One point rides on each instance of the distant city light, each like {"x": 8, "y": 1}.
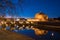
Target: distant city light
{"x": 52, "y": 34}
{"x": 17, "y": 19}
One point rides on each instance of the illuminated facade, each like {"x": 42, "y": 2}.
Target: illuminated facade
{"x": 41, "y": 16}
{"x": 32, "y": 19}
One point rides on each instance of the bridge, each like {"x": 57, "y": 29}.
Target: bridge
{"x": 40, "y": 25}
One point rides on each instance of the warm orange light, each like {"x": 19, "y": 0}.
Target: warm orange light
{"x": 32, "y": 20}
{"x": 39, "y": 32}
{"x": 27, "y": 22}
{"x": 41, "y": 17}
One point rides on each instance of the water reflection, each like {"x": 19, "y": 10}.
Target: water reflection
{"x": 39, "y": 31}
{"x": 36, "y": 33}
{"x": 50, "y": 35}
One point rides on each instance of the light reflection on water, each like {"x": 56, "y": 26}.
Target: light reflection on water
{"x": 49, "y": 36}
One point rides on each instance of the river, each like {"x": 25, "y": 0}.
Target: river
{"x": 50, "y": 35}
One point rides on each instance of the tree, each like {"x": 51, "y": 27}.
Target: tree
{"x": 6, "y": 5}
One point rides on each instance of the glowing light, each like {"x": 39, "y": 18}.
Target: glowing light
{"x": 21, "y": 28}
{"x": 41, "y": 17}
{"x": 39, "y": 32}
{"x": 27, "y": 28}
{"x": 52, "y": 34}
{"x": 12, "y": 23}
{"x": 33, "y": 20}
{"x": 6, "y": 24}
{"x": 17, "y": 26}
{"x": 17, "y": 19}
{"x": 27, "y": 22}
{"x": 2, "y": 22}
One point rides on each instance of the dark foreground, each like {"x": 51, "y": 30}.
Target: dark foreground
{"x": 7, "y": 35}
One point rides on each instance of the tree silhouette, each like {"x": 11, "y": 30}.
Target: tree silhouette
{"x": 7, "y": 6}
{"x": 4, "y": 5}
{"x": 58, "y": 18}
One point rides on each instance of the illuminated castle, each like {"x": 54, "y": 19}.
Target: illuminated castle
{"x": 39, "y": 17}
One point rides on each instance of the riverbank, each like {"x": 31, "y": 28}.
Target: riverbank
{"x": 7, "y": 35}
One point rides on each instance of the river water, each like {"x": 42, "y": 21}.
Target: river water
{"x": 50, "y": 35}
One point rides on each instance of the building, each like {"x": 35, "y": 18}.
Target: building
{"x": 41, "y": 16}
{"x": 33, "y": 19}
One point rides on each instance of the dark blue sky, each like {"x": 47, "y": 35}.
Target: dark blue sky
{"x": 30, "y": 7}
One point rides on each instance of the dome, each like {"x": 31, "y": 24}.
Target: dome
{"x": 41, "y": 16}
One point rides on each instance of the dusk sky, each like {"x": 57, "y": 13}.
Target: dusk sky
{"x": 30, "y": 7}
